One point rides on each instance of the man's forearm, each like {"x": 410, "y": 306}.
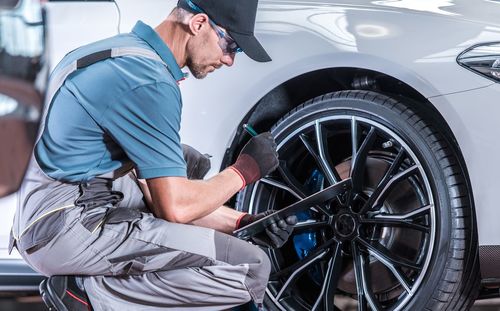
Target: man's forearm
{"x": 181, "y": 200}
{"x": 222, "y": 219}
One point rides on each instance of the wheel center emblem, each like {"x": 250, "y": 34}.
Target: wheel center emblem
{"x": 345, "y": 225}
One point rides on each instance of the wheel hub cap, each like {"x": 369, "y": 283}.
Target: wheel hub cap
{"x": 346, "y": 225}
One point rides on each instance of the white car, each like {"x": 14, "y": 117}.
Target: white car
{"x": 401, "y": 96}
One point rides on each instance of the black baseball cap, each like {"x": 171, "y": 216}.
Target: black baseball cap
{"x": 237, "y": 17}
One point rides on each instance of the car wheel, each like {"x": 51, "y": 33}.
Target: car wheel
{"x": 403, "y": 238}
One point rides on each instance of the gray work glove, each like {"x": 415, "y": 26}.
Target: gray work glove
{"x": 275, "y": 235}
{"x": 198, "y": 164}
{"x": 257, "y": 158}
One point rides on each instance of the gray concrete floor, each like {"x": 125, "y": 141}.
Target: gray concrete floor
{"x": 35, "y": 304}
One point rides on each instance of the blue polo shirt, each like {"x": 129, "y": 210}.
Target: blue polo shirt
{"x": 115, "y": 114}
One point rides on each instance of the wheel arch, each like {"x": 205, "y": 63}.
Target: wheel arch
{"x": 294, "y": 91}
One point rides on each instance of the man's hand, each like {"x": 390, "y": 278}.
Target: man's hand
{"x": 257, "y": 158}
{"x": 275, "y": 235}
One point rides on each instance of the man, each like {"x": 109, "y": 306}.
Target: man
{"x": 113, "y": 106}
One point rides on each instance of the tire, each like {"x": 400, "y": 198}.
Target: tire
{"x": 413, "y": 248}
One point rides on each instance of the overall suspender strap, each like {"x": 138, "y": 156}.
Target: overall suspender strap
{"x": 57, "y": 80}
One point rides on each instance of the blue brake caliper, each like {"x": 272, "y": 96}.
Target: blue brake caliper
{"x": 304, "y": 243}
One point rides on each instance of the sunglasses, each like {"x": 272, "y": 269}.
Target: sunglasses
{"x": 226, "y": 43}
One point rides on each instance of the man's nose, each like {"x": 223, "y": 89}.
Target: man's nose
{"x": 228, "y": 59}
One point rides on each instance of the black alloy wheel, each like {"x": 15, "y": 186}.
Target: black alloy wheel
{"x": 403, "y": 238}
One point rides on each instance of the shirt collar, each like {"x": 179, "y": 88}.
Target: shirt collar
{"x": 149, "y": 35}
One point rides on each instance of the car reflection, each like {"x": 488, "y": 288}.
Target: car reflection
{"x": 23, "y": 74}
{"x": 432, "y": 6}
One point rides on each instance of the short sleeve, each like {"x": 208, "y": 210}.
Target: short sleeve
{"x": 145, "y": 122}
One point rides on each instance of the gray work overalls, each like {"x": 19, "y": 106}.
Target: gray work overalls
{"x": 129, "y": 259}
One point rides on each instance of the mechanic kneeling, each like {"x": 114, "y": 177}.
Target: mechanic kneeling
{"x": 113, "y": 113}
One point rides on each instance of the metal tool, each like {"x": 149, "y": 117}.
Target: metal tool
{"x": 250, "y": 130}
{"x": 320, "y": 197}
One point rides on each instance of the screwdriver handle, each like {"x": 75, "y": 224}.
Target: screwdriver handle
{"x": 250, "y": 130}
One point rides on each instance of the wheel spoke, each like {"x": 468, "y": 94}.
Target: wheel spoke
{"x": 363, "y": 281}
{"x": 419, "y": 212}
{"x": 290, "y": 269}
{"x": 332, "y": 279}
{"x": 290, "y": 180}
{"x": 396, "y": 271}
{"x": 330, "y": 282}
{"x": 309, "y": 225}
{"x": 359, "y": 161}
{"x": 354, "y": 137}
{"x": 360, "y": 287}
{"x": 391, "y": 171}
{"x": 385, "y": 190}
{"x": 277, "y": 184}
{"x": 380, "y": 251}
{"x": 321, "y": 162}
{"x": 390, "y": 222}
{"x": 299, "y": 271}
{"x": 316, "y": 157}
{"x": 401, "y": 220}
{"x": 331, "y": 172}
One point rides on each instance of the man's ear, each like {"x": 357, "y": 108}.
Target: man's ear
{"x": 197, "y": 22}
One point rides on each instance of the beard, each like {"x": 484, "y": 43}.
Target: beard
{"x": 196, "y": 70}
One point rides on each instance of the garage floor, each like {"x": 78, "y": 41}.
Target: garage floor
{"x": 34, "y": 304}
